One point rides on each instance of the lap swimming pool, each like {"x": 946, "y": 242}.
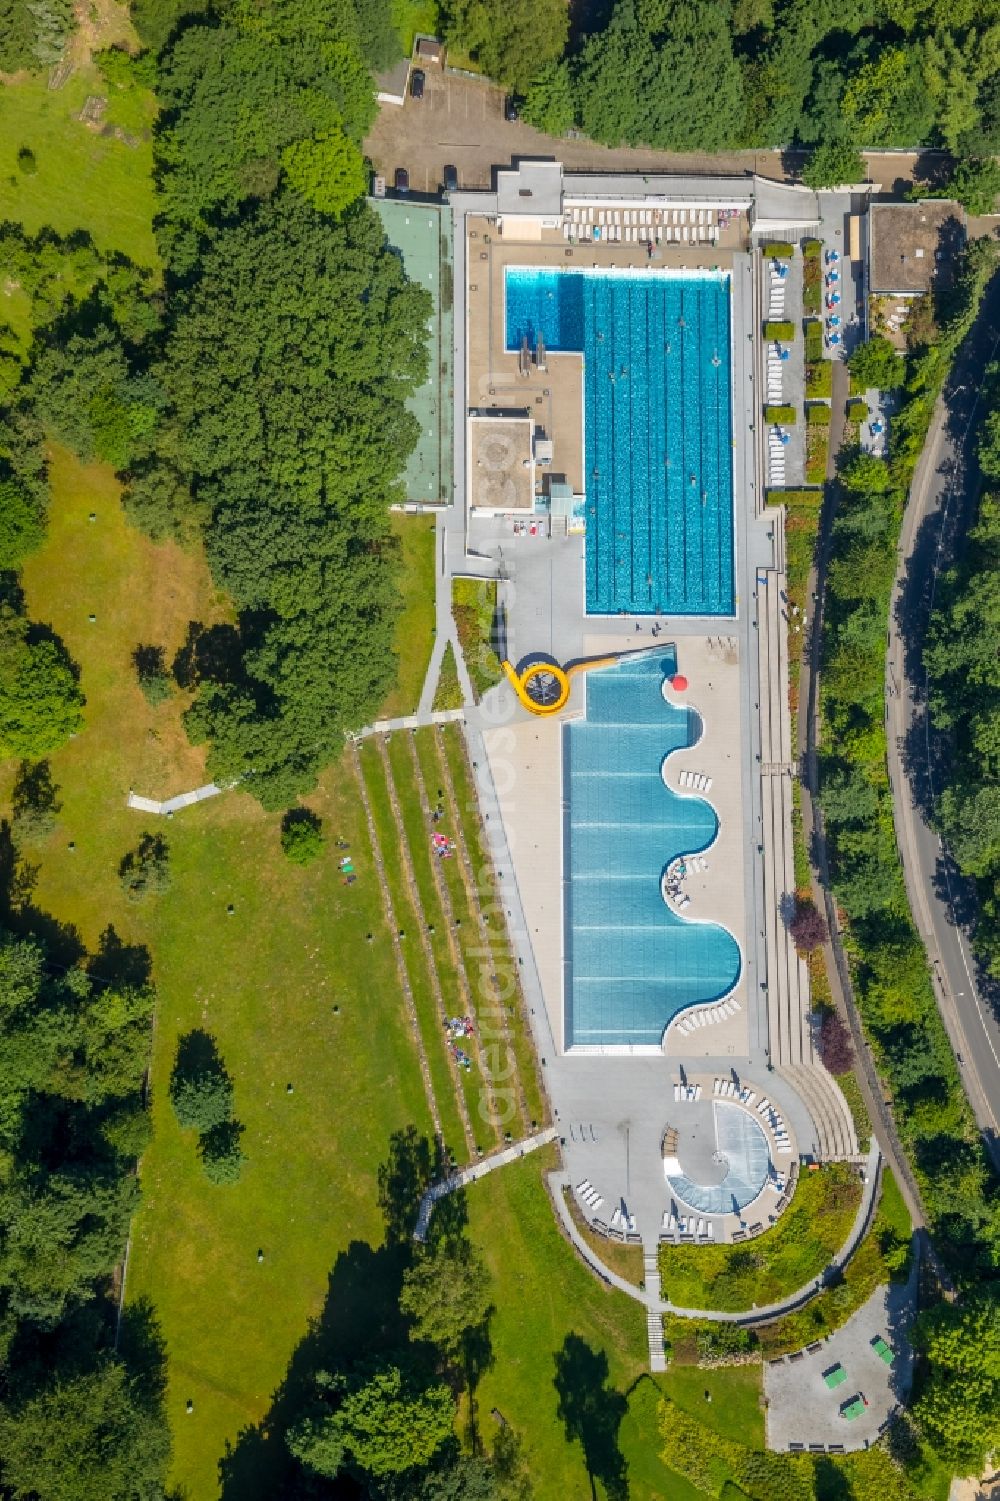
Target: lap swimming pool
{"x": 657, "y": 428}
{"x": 632, "y": 963}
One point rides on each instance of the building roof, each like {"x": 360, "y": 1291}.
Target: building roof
{"x": 501, "y": 468}
{"x": 908, "y": 242}
{"x": 531, "y": 188}
{"x": 654, "y": 187}
{"x": 392, "y": 84}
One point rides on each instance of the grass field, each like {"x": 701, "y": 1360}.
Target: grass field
{"x": 84, "y": 180}
{"x": 558, "y": 1333}
{"x": 263, "y": 981}
{"x": 798, "y": 1248}
{"x": 415, "y": 627}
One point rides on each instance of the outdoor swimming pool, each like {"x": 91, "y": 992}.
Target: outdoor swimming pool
{"x": 657, "y": 428}
{"x": 632, "y": 962}
{"x": 742, "y": 1143}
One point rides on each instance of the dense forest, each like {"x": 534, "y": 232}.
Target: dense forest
{"x": 962, "y": 658}
{"x": 888, "y": 960}
{"x": 706, "y": 76}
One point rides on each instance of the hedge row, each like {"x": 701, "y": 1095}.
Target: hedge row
{"x": 819, "y": 379}
{"x": 712, "y": 1463}
{"x": 785, "y": 415}
{"x": 781, "y": 331}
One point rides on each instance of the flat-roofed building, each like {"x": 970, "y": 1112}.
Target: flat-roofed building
{"x": 909, "y": 243}
{"x": 501, "y": 463}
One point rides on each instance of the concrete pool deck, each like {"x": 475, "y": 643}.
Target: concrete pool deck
{"x": 613, "y": 1105}
{"x": 526, "y": 760}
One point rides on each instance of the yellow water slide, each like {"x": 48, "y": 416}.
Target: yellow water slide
{"x": 551, "y": 683}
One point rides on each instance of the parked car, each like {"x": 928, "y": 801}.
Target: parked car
{"x": 402, "y": 180}
{"x": 511, "y": 109}
{"x": 450, "y": 179}
{"x": 417, "y": 83}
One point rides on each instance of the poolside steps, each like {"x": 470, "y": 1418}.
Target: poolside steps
{"x": 788, "y": 975}
{"x": 654, "y": 1321}
{"x": 836, "y": 1137}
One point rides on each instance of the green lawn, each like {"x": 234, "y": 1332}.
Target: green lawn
{"x": 264, "y": 981}
{"x": 448, "y": 694}
{"x": 451, "y": 746}
{"x": 418, "y": 972}
{"x": 797, "y": 1249}
{"x": 85, "y": 180}
{"x": 411, "y": 16}
{"x": 415, "y": 626}
{"x": 549, "y": 1308}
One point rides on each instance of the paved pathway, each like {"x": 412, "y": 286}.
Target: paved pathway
{"x": 801, "y": 1409}
{"x": 182, "y": 800}
{"x": 650, "y": 1298}
{"x": 445, "y": 633}
{"x": 477, "y": 1170}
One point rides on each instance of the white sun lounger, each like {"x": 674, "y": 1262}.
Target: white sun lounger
{"x": 582, "y": 1187}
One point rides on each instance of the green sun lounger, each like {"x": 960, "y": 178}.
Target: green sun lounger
{"x": 853, "y": 1408}
{"x": 835, "y": 1376}
{"x": 882, "y": 1350}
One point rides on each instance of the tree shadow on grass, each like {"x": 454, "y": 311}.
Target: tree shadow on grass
{"x": 118, "y": 963}
{"x": 592, "y": 1411}
{"x": 360, "y": 1316}
{"x": 18, "y": 914}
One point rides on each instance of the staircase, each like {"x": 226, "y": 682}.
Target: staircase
{"x": 654, "y": 1321}
{"x": 831, "y": 1115}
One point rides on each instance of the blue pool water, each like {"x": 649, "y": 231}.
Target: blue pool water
{"x": 743, "y": 1144}
{"x": 633, "y": 962}
{"x": 657, "y": 428}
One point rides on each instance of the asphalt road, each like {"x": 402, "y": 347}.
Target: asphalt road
{"x": 942, "y": 496}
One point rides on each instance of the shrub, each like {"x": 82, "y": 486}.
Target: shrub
{"x": 812, "y": 249}
{"x": 785, "y": 415}
{"x": 878, "y": 364}
{"x": 808, "y": 927}
{"x": 818, "y": 414}
{"x": 813, "y": 330}
{"x": 779, "y": 250}
{"x": 221, "y": 1154}
{"x": 819, "y": 379}
{"x": 782, "y": 332}
{"x": 301, "y": 835}
{"x": 201, "y": 1090}
{"x": 717, "y": 1341}
{"x": 857, "y": 411}
{"x": 151, "y": 670}
{"x": 832, "y": 165}
{"x": 22, "y": 521}
{"x": 26, "y": 161}
{"x": 146, "y": 868}
{"x": 835, "y": 1043}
